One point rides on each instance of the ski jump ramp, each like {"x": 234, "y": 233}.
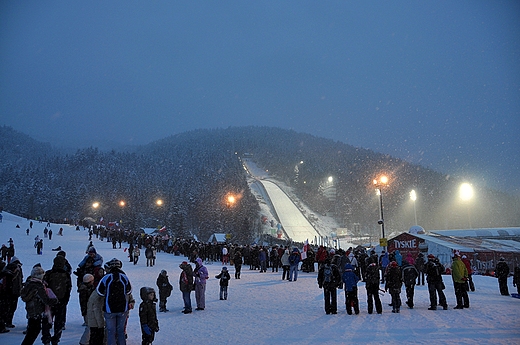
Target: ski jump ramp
{"x": 296, "y": 226}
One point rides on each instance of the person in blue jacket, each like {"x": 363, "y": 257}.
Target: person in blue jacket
{"x": 350, "y": 279}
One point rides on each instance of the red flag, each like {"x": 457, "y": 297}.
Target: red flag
{"x": 305, "y": 248}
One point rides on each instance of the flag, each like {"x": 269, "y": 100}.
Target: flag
{"x": 305, "y": 248}
{"x": 163, "y": 229}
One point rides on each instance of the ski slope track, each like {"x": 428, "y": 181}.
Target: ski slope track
{"x": 296, "y": 226}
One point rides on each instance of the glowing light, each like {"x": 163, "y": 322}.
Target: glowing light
{"x": 466, "y": 191}
{"x": 159, "y": 202}
{"x": 122, "y": 203}
{"x": 383, "y": 180}
{"x": 413, "y": 195}
{"x": 95, "y": 205}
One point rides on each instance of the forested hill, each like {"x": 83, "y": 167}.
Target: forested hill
{"x": 192, "y": 172}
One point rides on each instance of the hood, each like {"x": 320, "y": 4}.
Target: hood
{"x": 59, "y": 262}
{"x": 144, "y": 291}
{"x": 199, "y": 261}
{"x": 348, "y": 267}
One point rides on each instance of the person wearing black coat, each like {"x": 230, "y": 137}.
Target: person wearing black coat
{"x": 224, "y": 282}
{"x": 516, "y": 279}
{"x": 329, "y": 283}
{"x": 148, "y": 315}
{"x": 35, "y": 296}
{"x": 14, "y": 284}
{"x": 165, "y": 290}
{"x": 394, "y": 282}
{"x": 59, "y": 281}
{"x": 410, "y": 275}
{"x": 238, "y": 263}
{"x": 420, "y": 266}
{"x": 434, "y": 270}
{"x": 372, "y": 287}
{"x": 502, "y": 273}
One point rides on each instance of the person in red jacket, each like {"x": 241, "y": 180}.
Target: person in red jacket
{"x": 321, "y": 255}
{"x": 466, "y": 262}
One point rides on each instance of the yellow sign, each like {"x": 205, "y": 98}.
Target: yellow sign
{"x": 228, "y": 236}
{"x": 383, "y": 242}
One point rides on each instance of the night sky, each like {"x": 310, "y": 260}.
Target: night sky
{"x": 436, "y": 83}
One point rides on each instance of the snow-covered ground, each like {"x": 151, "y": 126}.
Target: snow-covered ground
{"x": 263, "y": 309}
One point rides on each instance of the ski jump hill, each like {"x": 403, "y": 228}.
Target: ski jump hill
{"x": 294, "y": 224}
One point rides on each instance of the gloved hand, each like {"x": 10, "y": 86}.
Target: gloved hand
{"x": 146, "y": 329}
{"x": 156, "y": 329}
{"x": 321, "y": 286}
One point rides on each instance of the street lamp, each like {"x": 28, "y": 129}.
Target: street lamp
{"x": 379, "y": 184}
{"x": 466, "y": 194}
{"x": 413, "y": 197}
{"x": 122, "y": 204}
{"x": 230, "y": 200}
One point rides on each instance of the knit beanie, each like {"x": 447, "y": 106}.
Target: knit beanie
{"x": 37, "y": 272}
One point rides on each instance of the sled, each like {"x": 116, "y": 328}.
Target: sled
{"x": 515, "y": 295}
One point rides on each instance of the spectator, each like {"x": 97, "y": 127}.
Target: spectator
{"x": 115, "y": 287}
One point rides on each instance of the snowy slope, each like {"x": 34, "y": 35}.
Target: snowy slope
{"x": 263, "y": 309}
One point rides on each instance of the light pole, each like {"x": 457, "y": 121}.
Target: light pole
{"x": 160, "y": 204}
{"x": 466, "y": 194}
{"x": 379, "y": 184}
{"x": 413, "y": 197}
{"x": 122, "y": 204}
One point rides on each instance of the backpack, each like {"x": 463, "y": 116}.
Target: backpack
{"x": 327, "y": 274}
{"x": 58, "y": 283}
{"x": 116, "y": 297}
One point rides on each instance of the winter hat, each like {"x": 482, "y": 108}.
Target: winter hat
{"x": 464, "y": 257}
{"x": 15, "y": 259}
{"x": 224, "y": 268}
{"x": 199, "y": 261}
{"x": 87, "y": 278}
{"x": 431, "y": 256}
{"x": 393, "y": 264}
{"x": 92, "y": 250}
{"x": 37, "y": 272}
{"x": 59, "y": 262}
{"x": 163, "y": 272}
{"x": 62, "y": 253}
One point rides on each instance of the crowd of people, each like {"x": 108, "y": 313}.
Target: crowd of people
{"x": 344, "y": 269}
{"x": 105, "y": 291}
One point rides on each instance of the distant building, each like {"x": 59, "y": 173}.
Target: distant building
{"x": 217, "y": 238}
{"x": 483, "y": 247}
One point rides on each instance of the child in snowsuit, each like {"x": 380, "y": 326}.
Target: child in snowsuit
{"x": 165, "y": 290}
{"x": 351, "y": 293}
{"x": 224, "y": 282}
{"x": 148, "y": 315}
